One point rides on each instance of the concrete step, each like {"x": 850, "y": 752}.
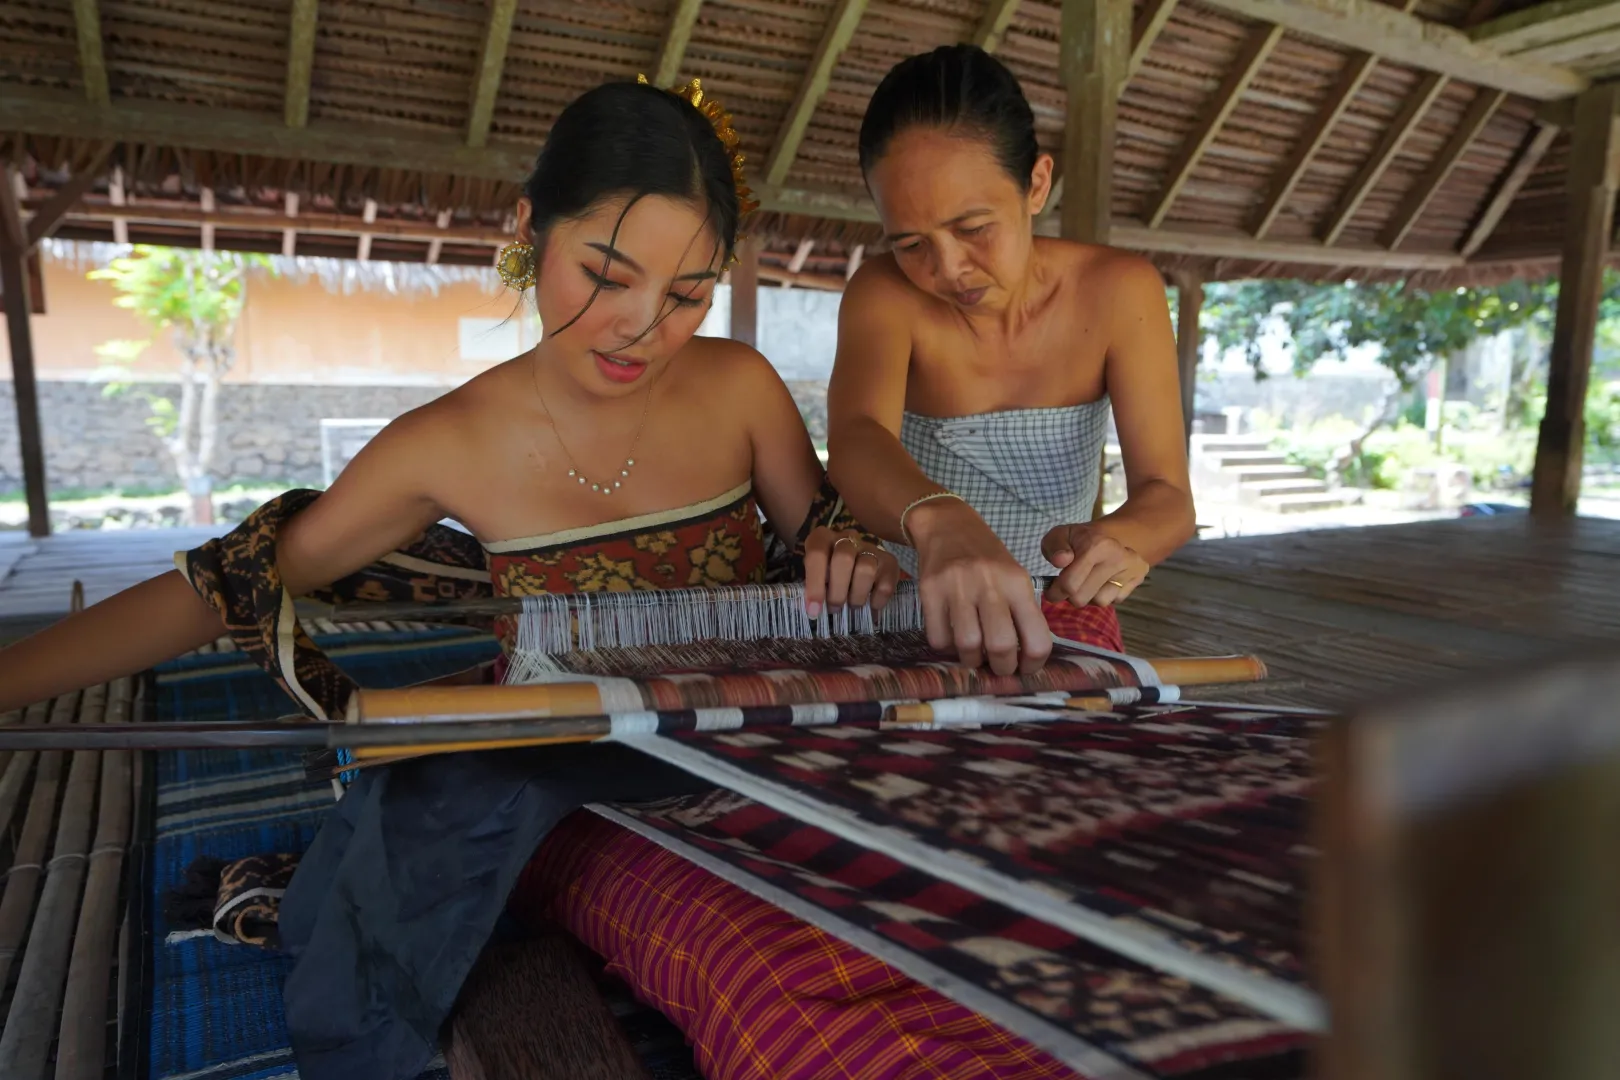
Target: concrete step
{"x": 1230, "y": 458}
{"x": 1214, "y": 443}
{"x": 1294, "y": 504}
{"x": 1248, "y": 473}
{"x": 1304, "y": 485}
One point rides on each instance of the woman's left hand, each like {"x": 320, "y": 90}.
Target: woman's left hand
{"x": 843, "y": 568}
{"x": 1094, "y": 568}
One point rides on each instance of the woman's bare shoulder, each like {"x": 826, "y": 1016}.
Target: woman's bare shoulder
{"x": 724, "y": 369}
{"x": 881, "y": 281}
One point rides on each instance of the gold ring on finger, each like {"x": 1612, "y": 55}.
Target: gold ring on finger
{"x": 1116, "y": 583}
{"x": 845, "y": 540}
{"x": 868, "y": 552}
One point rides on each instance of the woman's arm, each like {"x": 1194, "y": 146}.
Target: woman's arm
{"x": 787, "y": 476}
{"x": 1103, "y": 561}
{"x": 865, "y": 400}
{"x": 975, "y": 596}
{"x": 379, "y": 502}
{"x": 1144, "y": 386}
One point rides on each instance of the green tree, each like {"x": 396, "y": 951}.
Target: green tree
{"x": 197, "y": 297}
{"x": 1413, "y": 328}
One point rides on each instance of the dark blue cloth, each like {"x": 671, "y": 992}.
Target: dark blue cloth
{"x": 405, "y": 883}
{"x": 216, "y": 1008}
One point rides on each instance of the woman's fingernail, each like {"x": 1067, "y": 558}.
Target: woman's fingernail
{"x": 813, "y": 610}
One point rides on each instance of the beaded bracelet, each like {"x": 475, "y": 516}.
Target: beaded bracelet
{"x": 906, "y": 536}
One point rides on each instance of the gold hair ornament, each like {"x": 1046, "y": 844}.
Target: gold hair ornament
{"x": 720, "y": 119}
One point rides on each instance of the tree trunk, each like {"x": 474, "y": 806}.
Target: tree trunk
{"x": 1388, "y": 409}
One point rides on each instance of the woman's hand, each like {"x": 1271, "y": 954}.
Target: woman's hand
{"x": 1094, "y": 568}
{"x": 975, "y": 595}
{"x": 843, "y": 568}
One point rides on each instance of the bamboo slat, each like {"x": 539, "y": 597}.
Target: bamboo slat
{"x": 81, "y": 1038}
{"x": 31, "y": 1024}
{"x": 22, "y": 880}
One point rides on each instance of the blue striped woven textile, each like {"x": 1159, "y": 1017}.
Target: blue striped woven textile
{"x": 216, "y": 1008}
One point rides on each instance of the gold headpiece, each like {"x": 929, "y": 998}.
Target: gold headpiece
{"x": 717, "y": 116}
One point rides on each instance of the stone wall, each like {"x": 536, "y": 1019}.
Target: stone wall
{"x": 271, "y": 433}
{"x": 268, "y": 433}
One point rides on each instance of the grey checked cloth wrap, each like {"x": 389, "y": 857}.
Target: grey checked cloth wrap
{"x": 1023, "y": 470}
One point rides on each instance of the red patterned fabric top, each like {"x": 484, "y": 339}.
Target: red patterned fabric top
{"x": 707, "y": 545}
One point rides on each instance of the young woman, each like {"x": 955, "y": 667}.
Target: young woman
{"x": 620, "y": 422}
{"x": 976, "y": 367}
{"x": 621, "y": 452}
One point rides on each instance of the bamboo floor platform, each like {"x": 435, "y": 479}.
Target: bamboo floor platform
{"x": 1338, "y": 616}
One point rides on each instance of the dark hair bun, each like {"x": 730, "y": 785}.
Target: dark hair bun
{"x": 955, "y": 87}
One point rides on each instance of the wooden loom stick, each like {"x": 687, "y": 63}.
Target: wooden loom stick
{"x": 402, "y": 708}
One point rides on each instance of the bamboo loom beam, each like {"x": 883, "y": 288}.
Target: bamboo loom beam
{"x": 22, "y": 881}
{"x": 834, "y": 40}
{"x": 676, "y": 38}
{"x": 31, "y": 1025}
{"x": 300, "y": 62}
{"x": 491, "y": 63}
{"x": 81, "y": 1036}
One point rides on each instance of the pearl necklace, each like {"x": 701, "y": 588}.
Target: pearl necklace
{"x": 574, "y": 470}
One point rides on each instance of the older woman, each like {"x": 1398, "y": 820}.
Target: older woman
{"x": 976, "y": 367}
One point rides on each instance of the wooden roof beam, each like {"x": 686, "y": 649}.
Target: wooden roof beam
{"x": 840, "y": 29}
{"x": 997, "y": 17}
{"x": 192, "y": 127}
{"x": 92, "y": 64}
{"x": 1146, "y": 31}
{"x": 1351, "y": 80}
{"x": 1411, "y": 207}
{"x": 1400, "y": 37}
{"x": 49, "y": 216}
{"x": 1164, "y": 241}
{"x": 1547, "y": 24}
{"x": 681, "y": 24}
{"x": 289, "y": 235}
{"x": 1250, "y": 59}
{"x": 300, "y": 62}
{"x": 487, "y": 82}
{"x": 1540, "y": 141}
{"x": 1399, "y": 130}
{"x": 801, "y": 256}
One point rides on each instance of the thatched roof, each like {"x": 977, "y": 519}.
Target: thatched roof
{"x": 1254, "y": 137}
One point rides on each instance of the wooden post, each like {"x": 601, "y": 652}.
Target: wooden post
{"x": 1094, "y": 57}
{"x": 1189, "y": 342}
{"x": 1594, "y": 177}
{"x": 745, "y": 294}
{"x": 14, "y": 283}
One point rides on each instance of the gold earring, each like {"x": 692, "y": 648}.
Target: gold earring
{"x": 516, "y": 265}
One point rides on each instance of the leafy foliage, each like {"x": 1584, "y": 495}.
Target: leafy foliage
{"x": 1413, "y": 327}
{"x": 197, "y": 297}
